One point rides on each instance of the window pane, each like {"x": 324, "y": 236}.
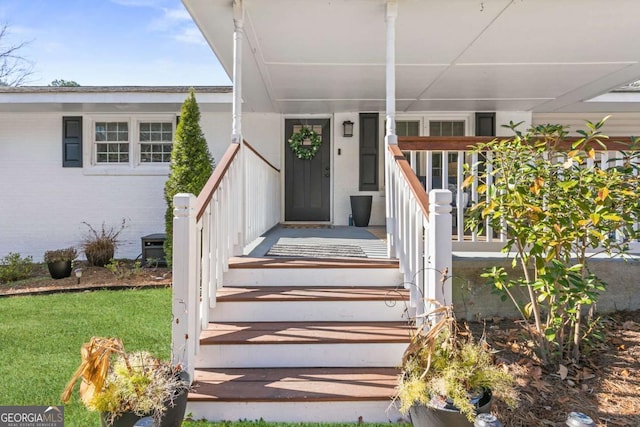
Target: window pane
{"x": 156, "y": 127}
{"x": 146, "y": 127}
{"x": 145, "y": 136}
{"x": 446, "y": 128}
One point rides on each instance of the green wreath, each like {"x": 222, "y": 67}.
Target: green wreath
{"x": 296, "y": 141}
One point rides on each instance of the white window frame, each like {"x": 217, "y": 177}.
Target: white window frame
{"x": 138, "y": 142}
{"x": 134, "y": 166}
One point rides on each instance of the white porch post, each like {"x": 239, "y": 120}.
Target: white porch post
{"x": 438, "y": 273}
{"x": 184, "y": 333}
{"x": 236, "y": 132}
{"x": 238, "y": 35}
{"x": 390, "y": 136}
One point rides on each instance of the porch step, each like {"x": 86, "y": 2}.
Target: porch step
{"x": 303, "y": 340}
{"x": 246, "y": 271}
{"x": 302, "y": 344}
{"x": 278, "y": 303}
{"x": 296, "y": 394}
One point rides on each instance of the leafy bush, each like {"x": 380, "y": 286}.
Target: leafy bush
{"x": 558, "y": 206}
{"x": 13, "y": 267}
{"x": 100, "y": 246}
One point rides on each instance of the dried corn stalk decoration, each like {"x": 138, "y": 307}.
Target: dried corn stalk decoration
{"x": 96, "y": 357}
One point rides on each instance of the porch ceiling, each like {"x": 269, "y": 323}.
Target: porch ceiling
{"x": 311, "y": 56}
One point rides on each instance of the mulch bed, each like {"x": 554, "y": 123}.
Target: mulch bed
{"x": 605, "y": 385}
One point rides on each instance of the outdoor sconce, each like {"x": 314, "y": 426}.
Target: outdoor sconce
{"x": 78, "y": 272}
{"x": 347, "y": 129}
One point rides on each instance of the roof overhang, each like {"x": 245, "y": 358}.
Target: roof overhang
{"x": 111, "y": 99}
{"x": 309, "y": 56}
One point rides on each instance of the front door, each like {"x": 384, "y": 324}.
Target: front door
{"x": 307, "y": 182}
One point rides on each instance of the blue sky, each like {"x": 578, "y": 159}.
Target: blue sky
{"x": 111, "y": 42}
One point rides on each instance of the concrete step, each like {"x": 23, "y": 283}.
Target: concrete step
{"x": 298, "y": 303}
{"x": 295, "y": 394}
{"x": 302, "y": 344}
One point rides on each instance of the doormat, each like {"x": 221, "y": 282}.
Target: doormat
{"x": 306, "y": 225}
{"x": 316, "y": 251}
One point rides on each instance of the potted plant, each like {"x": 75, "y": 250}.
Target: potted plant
{"x": 59, "y": 262}
{"x": 125, "y": 387}
{"x": 447, "y": 377}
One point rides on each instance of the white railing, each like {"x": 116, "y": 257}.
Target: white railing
{"x": 438, "y": 163}
{"x": 239, "y": 202}
{"x": 419, "y": 233}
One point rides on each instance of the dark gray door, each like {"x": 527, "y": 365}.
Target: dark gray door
{"x": 307, "y": 182}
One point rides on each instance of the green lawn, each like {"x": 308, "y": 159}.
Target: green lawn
{"x": 40, "y": 339}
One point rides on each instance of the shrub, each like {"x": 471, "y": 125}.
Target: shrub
{"x": 558, "y": 207}
{"x": 13, "y": 267}
{"x": 100, "y": 247}
{"x": 191, "y": 164}
{"x": 68, "y": 254}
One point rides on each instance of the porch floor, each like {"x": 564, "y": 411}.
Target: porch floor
{"x": 320, "y": 241}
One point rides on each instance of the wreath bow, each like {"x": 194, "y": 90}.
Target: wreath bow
{"x": 302, "y": 151}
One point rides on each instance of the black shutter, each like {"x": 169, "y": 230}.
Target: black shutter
{"x": 72, "y": 142}
{"x": 369, "y": 151}
{"x": 485, "y": 124}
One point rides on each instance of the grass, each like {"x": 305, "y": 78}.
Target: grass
{"x": 41, "y": 338}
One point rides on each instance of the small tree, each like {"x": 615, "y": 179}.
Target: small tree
{"x": 191, "y": 163}
{"x": 554, "y": 205}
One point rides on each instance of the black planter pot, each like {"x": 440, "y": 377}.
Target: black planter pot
{"x": 172, "y": 417}
{"x": 361, "y": 210}
{"x": 59, "y": 269}
{"x": 449, "y": 416}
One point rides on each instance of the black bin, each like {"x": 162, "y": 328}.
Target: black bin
{"x": 152, "y": 248}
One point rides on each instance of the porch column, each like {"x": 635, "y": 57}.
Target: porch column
{"x": 236, "y": 126}
{"x": 238, "y": 35}
{"x": 390, "y": 135}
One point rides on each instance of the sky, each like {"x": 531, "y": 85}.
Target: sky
{"x": 111, "y": 42}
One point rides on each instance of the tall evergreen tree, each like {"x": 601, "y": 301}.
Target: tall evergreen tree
{"x": 191, "y": 163}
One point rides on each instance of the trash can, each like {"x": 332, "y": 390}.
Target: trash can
{"x": 361, "y": 210}
{"x": 153, "y": 249}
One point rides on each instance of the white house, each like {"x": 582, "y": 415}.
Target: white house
{"x": 392, "y": 68}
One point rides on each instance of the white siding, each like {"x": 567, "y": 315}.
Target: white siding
{"x": 43, "y": 205}
{"x": 619, "y": 124}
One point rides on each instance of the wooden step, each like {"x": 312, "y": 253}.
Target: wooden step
{"x": 295, "y": 394}
{"x": 335, "y": 304}
{"x": 305, "y": 333}
{"x": 312, "y": 272}
{"x": 302, "y": 344}
{"x": 300, "y": 293}
{"x": 294, "y": 384}
{"x": 281, "y": 262}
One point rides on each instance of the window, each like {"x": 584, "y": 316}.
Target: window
{"x": 136, "y": 144}
{"x": 112, "y": 142}
{"x": 408, "y": 127}
{"x": 156, "y": 142}
{"x": 446, "y": 128}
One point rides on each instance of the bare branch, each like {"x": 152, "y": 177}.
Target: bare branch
{"x": 15, "y": 69}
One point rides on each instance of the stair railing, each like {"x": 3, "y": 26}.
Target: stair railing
{"x": 420, "y": 234}
{"x": 240, "y": 201}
